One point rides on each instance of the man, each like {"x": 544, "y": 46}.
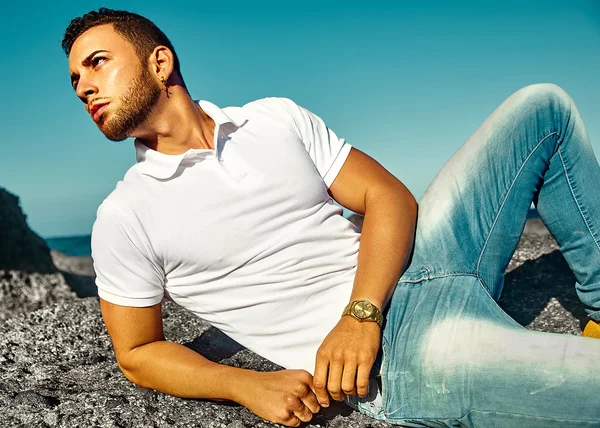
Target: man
{"x": 229, "y": 213}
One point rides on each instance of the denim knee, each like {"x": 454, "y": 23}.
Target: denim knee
{"x": 548, "y": 98}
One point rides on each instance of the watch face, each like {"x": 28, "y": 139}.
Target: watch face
{"x": 363, "y": 310}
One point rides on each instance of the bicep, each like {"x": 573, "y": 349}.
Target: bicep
{"x": 128, "y": 273}
{"x": 131, "y": 327}
{"x": 360, "y": 178}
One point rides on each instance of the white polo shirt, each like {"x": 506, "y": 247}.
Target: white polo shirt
{"x": 245, "y": 236}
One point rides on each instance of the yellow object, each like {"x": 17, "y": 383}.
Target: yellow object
{"x": 592, "y": 329}
{"x": 363, "y": 310}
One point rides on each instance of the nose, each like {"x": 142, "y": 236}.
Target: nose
{"x": 85, "y": 89}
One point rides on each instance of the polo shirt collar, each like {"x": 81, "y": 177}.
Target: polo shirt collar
{"x": 163, "y": 166}
{"x": 218, "y": 115}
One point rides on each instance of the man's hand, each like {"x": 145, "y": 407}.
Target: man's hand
{"x": 345, "y": 358}
{"x": 285, "y": 397}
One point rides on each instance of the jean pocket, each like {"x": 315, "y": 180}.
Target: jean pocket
{"x": 414, "y": 275}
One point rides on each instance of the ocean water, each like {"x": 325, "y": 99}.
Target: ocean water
{"x": 72, "y": 245}
{"x": 81, "y": 245}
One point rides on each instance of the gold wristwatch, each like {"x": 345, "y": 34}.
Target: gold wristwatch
{"x": 363, "y": 310}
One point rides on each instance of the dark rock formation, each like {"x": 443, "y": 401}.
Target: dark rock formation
{"x": 20, "y": 248}
{"x": 28, "y": 278}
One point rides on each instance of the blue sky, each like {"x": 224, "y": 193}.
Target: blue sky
{"x": 406, "y": 82}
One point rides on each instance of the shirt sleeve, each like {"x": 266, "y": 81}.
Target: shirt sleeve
{"x": 327, "y": 151}
{"x": 125, "y": 274}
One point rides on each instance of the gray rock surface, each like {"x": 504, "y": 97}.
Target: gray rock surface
{"x": 28, "y": 278}
{"x": 57, "y": 367}
{"x": 77, "y": 271}
{"x": 22, "y": 291}
{"x": 539, "y": 290}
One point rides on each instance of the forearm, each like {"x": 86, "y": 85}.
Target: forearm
{"x": 386, "y": 243}
{"x": 177, "y": 370}
{"x": 345, "y": 358}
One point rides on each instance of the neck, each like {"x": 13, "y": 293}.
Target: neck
{"x": 177, "y": 124}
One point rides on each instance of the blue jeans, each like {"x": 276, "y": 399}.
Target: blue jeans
{"x": 451, "y": 356}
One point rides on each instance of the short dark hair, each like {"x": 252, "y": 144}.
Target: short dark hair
{"x": 142, "y": 33}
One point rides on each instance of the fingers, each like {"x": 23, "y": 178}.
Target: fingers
{"x": 285, "y": 397}
{"x": 341, "y": 379}
{"x": 320, "y": 380}
{"x": 344, "y": 360}
{"x": 362, "y": 379}
{"x": 292, "y": 421}
{"x": 298, "y": 409}
{"x": 302, "y": 402}
{"x": 334, "y": 380}
{"x": 306, "y": 394}
{"x": 348, "y": 378}
{"x": 310, "y": 401}
{"x": 304, "y": 415}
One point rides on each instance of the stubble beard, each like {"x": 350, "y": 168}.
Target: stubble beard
{"x": 136, "y": 104}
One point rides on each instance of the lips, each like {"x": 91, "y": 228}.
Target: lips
{"x": 97, "y": 110}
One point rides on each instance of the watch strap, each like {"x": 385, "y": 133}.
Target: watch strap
{"x": 376, "y": 316}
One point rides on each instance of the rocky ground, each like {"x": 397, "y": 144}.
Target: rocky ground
{"x": 539, "y": 290}
{"x": 57, "y": 367}
{"x": 29, "y": 280}
{"x": 77, "y": 271}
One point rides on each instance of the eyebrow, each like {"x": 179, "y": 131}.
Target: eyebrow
{"x": 86, "y": 62}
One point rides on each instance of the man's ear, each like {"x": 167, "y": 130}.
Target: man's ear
{"x": 161, "y": 62}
